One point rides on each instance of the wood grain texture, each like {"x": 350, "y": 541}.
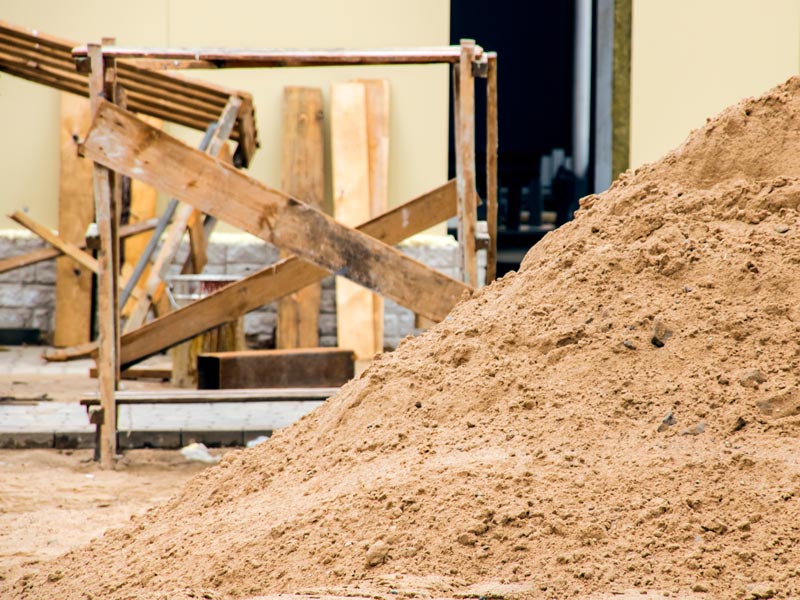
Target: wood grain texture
{"x": 302, "y": 176}
{"x": 186, "y": 216}
{"x": 491, "y": 166}
{"x": 107, "y": 310}
{"x": 73, "y": 313}
{"x": 355, "y": 314}
{"x": 274, "y": 281}
{"x": 465, "y": 164}
{"x": 47, "y": 60}
{"x": 122, "y": 142}
{"x": 377, "y": 91}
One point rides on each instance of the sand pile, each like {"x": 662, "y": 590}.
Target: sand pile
{"x": 622, "y": 413}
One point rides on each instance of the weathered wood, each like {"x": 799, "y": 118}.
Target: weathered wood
{"x": 48, "y": 60}
{"x": 184, "y": 215}
{"x": 160, "y": 373}
{"x": 277, "y": 280}
{"x": 73, "y": 311}
{"x": 36, "y": 256}
{"x": 491, "y": 166}
{"x": 351, "y": 205}
{"x": 201, "y": 396}
{"x": 107, "y": 310}
{"x": 465, "y": 165}
{"x": 302, "y": 176}
{"x": 86, "y": 260}
{"x": 299, "y": 367}
{"x": 235, "y": 59}
{"x": 377, "y": 91}
{"x": 122, "y": 142}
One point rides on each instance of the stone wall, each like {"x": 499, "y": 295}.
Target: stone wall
{"x": 27, "y": 295}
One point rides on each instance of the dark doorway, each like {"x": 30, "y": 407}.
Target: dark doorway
{"x": 535, "y": 46}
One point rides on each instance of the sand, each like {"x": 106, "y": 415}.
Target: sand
{"x": 623, "y": 413}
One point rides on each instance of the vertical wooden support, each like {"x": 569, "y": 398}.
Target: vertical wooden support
{"x": 107, "y": 289}
{"x": 465, "y": 164}
{"x": 75, "y": 213}
{"x": 491, "y": 166}
{"x": 350, "y": 157}
{"x": 377, "y": 91}
{"x": 302, "y": 176}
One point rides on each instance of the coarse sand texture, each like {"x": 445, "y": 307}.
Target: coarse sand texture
{"x": 622, "y": 413}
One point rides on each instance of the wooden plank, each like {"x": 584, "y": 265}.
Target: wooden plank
{"x": 73, "y": 312}
{"x": 302, "y": 176}
{"x": 298, "y": 367}
{"x": 36, "y": 256}
{"x": 277, "y": 280}
{"x": 154, "y": 285}
{"x": 107, "y": 314}
{"x": 136, "y": 373}
{"x": 235, "y": 59}
{"x": 377, "y": 91}
{"x": 465, "y": 165}
{"x": 491, "y": 166}
{"x": 351, "y": 205}
{"x": 122, "y": 142}
{"x": 172, "y": 396}
{"x": 47, "y": 60}
{"x": 71, "y": 250}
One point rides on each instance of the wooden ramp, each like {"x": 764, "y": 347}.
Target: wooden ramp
{"x": 47, "y": 60}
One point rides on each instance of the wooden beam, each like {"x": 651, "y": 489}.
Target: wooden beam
{"x": 298, "y": 367}
{"x": 107, "y": 309}
{"x": 86, "y": 260}
{"x": 228, "y": 59}
{"x": 42, "y": 254}
{"x": 302, "y": 176}
{"x": 377, "y": 91}
{"x": 465, "y": 165}
{"x": 491, "y": 166}
{"x": 47, "y": 60}
{"x": 351, "y": 205}
{"x": 73, "y": 313}
{"x": 274, "y": 281}
{"x": 122, "y": 142}
{"x": 185, "y": 215}
{"x": 621, "y": 88}
{"x": 203, "y": 396}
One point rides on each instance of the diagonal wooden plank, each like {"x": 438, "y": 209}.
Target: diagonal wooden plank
{"x": 184, "y": 217}
{"x": 275, "y": 281}
{"x": 127, "y": 145}
{"x": 83, "y": 258}
{"x": 42, "y": 254}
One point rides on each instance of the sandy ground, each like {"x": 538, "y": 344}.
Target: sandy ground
{"x": 52, "y": 501}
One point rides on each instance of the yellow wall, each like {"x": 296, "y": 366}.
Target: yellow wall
{"x": 29, "y": 113}
{"x": 692, "y": 58}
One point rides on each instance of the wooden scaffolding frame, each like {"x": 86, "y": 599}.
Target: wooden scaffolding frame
{"x": 361, "y": 254}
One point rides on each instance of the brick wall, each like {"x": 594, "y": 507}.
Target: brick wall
{"x": 27, "y": 295}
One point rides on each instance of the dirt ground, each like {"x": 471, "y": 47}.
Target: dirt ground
{"x": 52, "y": 501}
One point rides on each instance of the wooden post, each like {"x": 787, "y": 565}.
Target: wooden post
{"x": 491, "y": 166}
{"x": 75, "y": 212}
{"x": 302, "y": 176}
{"x": 108, "y": 258}
{"x": 465, "y": 164}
